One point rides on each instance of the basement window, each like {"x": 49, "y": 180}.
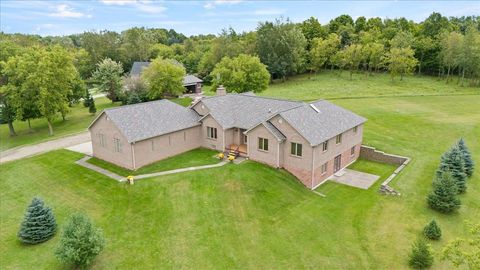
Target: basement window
{"x": 324, "y": 168}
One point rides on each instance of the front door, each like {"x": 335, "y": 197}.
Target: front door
{"x": 337, "y": 163}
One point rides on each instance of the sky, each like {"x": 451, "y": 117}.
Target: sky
{"x": 56, "y": 17}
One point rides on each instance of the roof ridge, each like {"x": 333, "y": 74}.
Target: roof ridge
{"x": 250, "y": 96}
{"x": 138, "y": 104}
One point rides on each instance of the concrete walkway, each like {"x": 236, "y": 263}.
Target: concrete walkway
{"x": 35, "y": 149}
{"x": 83, "y": 162}
{"x": 354, "y": 178}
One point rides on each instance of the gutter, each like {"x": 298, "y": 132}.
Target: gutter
{"x": 133, "y": 155}
{"x": 313, "y": 167}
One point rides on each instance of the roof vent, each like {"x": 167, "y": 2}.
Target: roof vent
{"x": 269, "y": 110}
{"x": 315, "y": 108}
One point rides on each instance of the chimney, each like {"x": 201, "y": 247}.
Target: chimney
{"x": 221, "y": 91}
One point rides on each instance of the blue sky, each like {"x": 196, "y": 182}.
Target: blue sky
{"x": 57, "y": 17}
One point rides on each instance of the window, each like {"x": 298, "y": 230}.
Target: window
{"x": 355, "y": 129}
{"x": 324, "y": 168}
{"x": 245, "y": 139}
{"x": 153, "y": 146}
{"x": 325, "y": 146}
{"x": 117, "y": 145}
{"x": 211, "y": 133}
{"x": 263, "y": 144}
{"x": 352, "y": 151}
{"x": 338, "y": 139}
{"x": 296, "y": 149}
{"x": 101, "y": 139}
{"x": 184, "y": 136}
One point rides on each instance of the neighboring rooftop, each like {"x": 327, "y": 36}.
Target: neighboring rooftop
{"x": 190, "y": 80}
{"x": 150, "y": 119}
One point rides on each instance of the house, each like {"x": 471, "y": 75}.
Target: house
{"x": 191, "y": 83}
{"x": 310, "y": 140}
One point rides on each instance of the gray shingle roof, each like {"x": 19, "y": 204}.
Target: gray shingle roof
{"x": 137, "y": 68}
{"x": 150, "y": 119}
{"x": 190, "y": 80}
{"x": 317, "y": 127}
{"x": 245, "y": 111}
{"x": 277, "y": 133}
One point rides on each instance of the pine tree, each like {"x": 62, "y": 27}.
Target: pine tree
{"x": 91, "y": 106}
{"x": 432, "y": 231}
{"x": 452, "y": 161}
{"x": 421, "y": 256}
{"x": 81, "y": 242}
{"x": 467, "y": 158}
{"x": 443, "y": 198}
{"x": 39, "y": 223}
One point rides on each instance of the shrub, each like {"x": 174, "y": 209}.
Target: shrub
{"x": 420, "y": 256}
{"x": 81, "y": 242}
{"x": 39, "y": 223}
{"x": 91, "y": 106}
{"x": 467, "y": 158}
{"x": 443, "y": 198}
{"x": 432, "y": 231}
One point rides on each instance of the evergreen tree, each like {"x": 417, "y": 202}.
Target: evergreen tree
{"x": 421, "y": 256}
{"x": 91, "y": 107}
{"x": 443, "y": 198}
{"x": 432, "y": 231}
{"x": 87, "y": 99}
{"x": 467, "y": 158}
{"x": 452, "y": 161}
{"x": 39, "y": 223}
{"x": 81, "y": 242}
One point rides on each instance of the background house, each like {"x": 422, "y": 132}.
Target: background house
{"x": 192, "y": 84}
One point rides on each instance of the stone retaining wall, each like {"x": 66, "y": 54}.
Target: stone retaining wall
{"x": 370, "y": 153}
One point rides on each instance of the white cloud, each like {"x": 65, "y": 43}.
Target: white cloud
{"x": 212, "y": 4}
{"x": 147, "y": 6}
{"x": 64, "y": 11}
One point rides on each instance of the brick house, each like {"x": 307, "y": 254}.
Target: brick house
{"x": 310, "y": 140}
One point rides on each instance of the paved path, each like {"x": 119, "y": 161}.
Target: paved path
{"x": 35, "y": 149}
{"x": 83, "y": 162}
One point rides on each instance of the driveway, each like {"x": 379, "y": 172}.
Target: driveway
{"x": 35, "y": 149}
{"x": 354, "y": 178}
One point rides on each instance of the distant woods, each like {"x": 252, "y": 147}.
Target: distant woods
{"x": 445, "y": 47}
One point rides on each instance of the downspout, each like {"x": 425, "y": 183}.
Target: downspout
{"x": 223, "y": 140}
{"x": 278, "y": 154}
{"x": 133, "y": 155}
{"x": 313, "y": 166}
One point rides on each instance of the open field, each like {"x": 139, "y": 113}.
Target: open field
{"x": 196, "y": 157}
{"x": 252, "y": 216}
{"x": 331, "y": 85}
{"x": 77, "y": 121}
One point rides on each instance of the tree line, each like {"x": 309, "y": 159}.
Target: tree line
{"x": 436, "y": 46}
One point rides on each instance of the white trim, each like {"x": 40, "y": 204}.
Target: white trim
{"x": 278, "y": 154}
{"x": 313, "y": 166}
{"x": 223, "y": 141}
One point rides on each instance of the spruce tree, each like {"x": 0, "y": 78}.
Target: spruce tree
{"x": 443, "y": 198}
{"x": 452, "y": 161}
{"x": 421, "y": 256}
{"x": 467, "y": 158}
{"x": 91, "y": 107}
{"x": 39, "y": 223}
{"x": 432, "y": 231}
{"x": 81, "y": 242}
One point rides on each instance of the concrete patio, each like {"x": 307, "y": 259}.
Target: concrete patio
{"x": 354, "y": 178}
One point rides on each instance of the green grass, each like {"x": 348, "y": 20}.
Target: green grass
{"x": 196, "y": 157}
{"x": 77, "y": 121}
{"x": 253, "y": 216}
{"x": 331, "y": 85}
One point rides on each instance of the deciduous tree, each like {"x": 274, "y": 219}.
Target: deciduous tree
{"x": 108, "y": 78}
{"x": 164, "y": 77}
{"x": 400, "y": 61}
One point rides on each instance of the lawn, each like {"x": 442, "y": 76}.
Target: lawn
{"x": 196, "y": 157}
{"x": 253, "y": 216}
{"x": 331, "y": 85}
{"x": 77, "y": 121}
